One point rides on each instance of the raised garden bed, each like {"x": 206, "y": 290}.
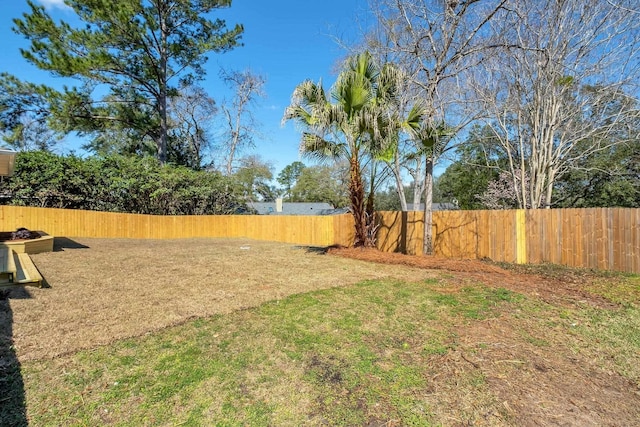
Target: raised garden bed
{"x": 38, "y": 242}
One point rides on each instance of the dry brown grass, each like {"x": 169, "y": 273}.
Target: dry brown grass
{"x": 117, "y": 288}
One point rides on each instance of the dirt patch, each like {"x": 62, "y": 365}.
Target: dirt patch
{"x": 566, "y": 289}
{"x": 546, "y": 384}
{"x": 429, "y": 262}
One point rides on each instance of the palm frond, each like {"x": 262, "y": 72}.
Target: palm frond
{"x": 316, "y": 147}
{"x": 352, "y": 91}
{"x": 297, "y": 113}
{"x": 388, "y": 84}
{"x": 308, "y": 105}
{"x": 432, "y": 138}
{"x": 415, "y": 120}
{"x": 386, "y": 151}
{"x": 363, "y": 64}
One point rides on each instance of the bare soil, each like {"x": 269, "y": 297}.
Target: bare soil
{"x": 108, "y": 289}
{"x": 567, "y": 288}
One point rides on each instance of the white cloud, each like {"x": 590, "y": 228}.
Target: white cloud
{"x": 53, "y": 4}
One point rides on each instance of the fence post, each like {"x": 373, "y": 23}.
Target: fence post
{"x": 521, "y": 236}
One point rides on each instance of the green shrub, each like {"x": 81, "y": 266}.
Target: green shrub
{"x": 119, "y": 184}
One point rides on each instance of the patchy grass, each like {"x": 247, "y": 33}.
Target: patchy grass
{"x": 621, "y": 289}
{"x": 380, "y": 352}
{"x": 611, "y": 338}
{"x": 341, "y": 357}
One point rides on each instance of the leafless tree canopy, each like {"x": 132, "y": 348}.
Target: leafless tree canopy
{"x": 240, "y": 124}
{"x": 568, "y": 89}
{"x": 555, "y": 81}
{"x": 191, "y": 116}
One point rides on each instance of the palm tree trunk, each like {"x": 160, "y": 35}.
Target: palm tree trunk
{"x": 427, "y": 247}
{"x": 356, "y": 196}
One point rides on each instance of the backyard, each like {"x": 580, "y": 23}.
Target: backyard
{"x": 241, "y": 332}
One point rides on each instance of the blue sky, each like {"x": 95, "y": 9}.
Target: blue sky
{"x": 287, "y": 41}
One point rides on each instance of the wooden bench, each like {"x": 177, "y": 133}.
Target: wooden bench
{"x": 18, "y": 269}
{"x": 7, "y": 266}
{"x": 26, "y": 271}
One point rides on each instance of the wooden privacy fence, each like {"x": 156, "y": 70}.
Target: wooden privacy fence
{"x": 303, "y": 230}
{"x": 601, "y": 238}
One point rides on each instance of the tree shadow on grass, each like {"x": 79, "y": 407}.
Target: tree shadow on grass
{"x": 13, "y": 410}
{"x": 318, "y": 250}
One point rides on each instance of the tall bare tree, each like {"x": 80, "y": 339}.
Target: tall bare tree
{"x": 567, "y": 91}
{"x": 240, "y": 124}
{"x": 436, "y": 42}
{"x": 191, "y": 117}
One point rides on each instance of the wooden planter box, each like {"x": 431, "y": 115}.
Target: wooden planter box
{"x": 32, "y": 246}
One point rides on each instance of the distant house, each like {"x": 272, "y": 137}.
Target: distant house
{"x": 285, "y": 208}
{"x": 435, "y": 207}
{"x": 300, "y": 208}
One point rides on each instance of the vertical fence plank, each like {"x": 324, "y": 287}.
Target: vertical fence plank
{"x": 602, "y": 238}
{"x": 533, "y": 234}
{"x": 521, "y": 239}
{"x": 575, "y": 239}
{"x": 588, "y": 258}
{"x": 481, "y": 229}
{"x": 633, "y": 260}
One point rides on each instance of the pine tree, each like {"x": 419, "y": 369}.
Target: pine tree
{"x": 139, "y": 50}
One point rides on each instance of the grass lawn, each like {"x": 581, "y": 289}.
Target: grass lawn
{"x": 399, "y": 348}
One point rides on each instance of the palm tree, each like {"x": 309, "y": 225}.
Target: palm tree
{"x": 356, "y": 126}
{"x": 430, "y": 139}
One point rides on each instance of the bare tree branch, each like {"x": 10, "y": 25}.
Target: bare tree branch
{"x": 569, "y": 91}
{"x": 241, "y": 125}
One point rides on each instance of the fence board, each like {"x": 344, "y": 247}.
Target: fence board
{"x": 400, "y": 232}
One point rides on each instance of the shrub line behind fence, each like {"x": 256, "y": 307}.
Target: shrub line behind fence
{"x": 599, "y": 238}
